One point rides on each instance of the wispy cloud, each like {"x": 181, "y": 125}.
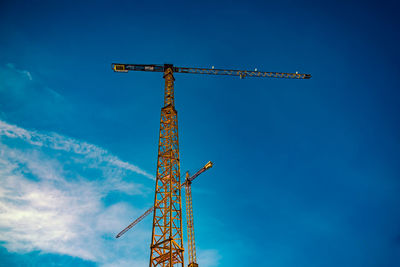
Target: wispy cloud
{"x": 19, "y": 87}
{"x": 45, "y": 206}
{"x": 60, "y": 142}
{"x": 24, "y": 72}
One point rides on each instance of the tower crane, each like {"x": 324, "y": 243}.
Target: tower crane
{"x": 167, "y": 241}
{"x": 188, "y": 180}
{"x": 189, "y": 214}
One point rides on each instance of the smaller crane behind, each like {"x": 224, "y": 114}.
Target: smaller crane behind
{"x": 189, "y": 214}
{"x": 188, "y": 181}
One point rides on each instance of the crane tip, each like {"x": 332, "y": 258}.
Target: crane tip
{"x": 208, "y": 165}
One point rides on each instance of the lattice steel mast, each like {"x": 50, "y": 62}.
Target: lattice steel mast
{"x": 190, "y": 224}
{"x": 167, "y": 241}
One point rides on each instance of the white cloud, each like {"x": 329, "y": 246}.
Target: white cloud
{"x": 28, "y": 74}
{"x": 59, "y": 142}
{"x": 24, "y": 72}
{"x": 18, "y": 87}
{"x": 45, "y": 206}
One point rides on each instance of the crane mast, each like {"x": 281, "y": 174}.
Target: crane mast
{"x": 190, "y": 226}
{"x": 167, "y": 241}
{"x": 189, "y": 214}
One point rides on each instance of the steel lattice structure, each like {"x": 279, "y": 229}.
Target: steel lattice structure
{"x": 190, "y": 223}
{"x": 167, "y": 241}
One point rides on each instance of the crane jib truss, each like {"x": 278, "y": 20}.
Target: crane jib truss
{"x": 241, "y": 73}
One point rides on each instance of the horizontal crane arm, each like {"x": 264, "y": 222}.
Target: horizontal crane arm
{"x": 118, "y": 67}
{"x": 243, "y": 73}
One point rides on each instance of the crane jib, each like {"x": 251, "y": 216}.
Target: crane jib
{"x": 118, "y": 67}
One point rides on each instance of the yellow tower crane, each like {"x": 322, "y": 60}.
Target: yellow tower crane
{"x": 167, "y": 241}
{"x": 189, "y": 215}
{"x": 150, "y": 210}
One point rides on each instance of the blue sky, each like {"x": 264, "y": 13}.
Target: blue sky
{"x": 306, "y": 171}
